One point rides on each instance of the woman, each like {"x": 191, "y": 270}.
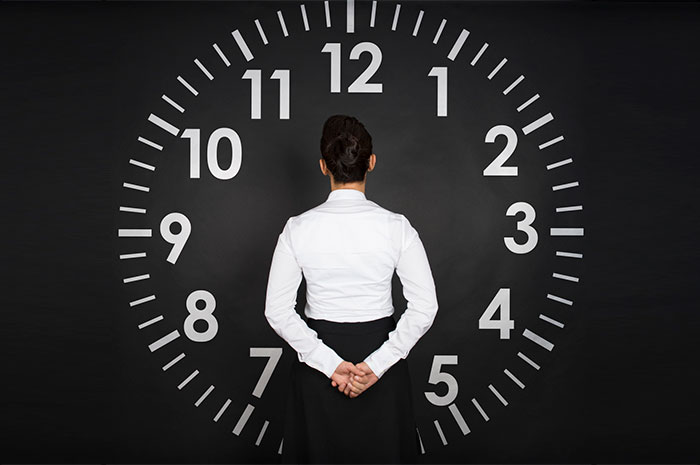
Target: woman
{"x": 349, "y": 395}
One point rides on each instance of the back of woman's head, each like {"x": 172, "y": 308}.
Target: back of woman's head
{"x": 346, "y": 147}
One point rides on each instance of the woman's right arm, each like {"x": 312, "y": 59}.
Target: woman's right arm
{"x": 416, "y": 277}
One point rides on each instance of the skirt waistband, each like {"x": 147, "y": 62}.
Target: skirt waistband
{"x": 380, "y": 325}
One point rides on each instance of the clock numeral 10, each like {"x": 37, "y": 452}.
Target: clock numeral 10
{"x": 360, "y": 84}
{"x": 212, "y": 152}
{"x": 504, "y": 324}
{"x": 437, "y": 377}
{"x": 206, "y": 314}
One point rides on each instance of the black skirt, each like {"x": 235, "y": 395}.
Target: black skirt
{"x": 323, "y": 425}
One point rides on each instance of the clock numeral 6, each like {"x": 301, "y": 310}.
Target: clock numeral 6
{"x": 360, "y": 84}
{"x": 212, "y": 152}
{"x": 504, "y": 324}
{"x": 206, "y": 314}
{"x": 524, "y": 225}
{"x": 437, "y": 377}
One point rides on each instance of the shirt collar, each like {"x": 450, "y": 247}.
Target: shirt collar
{"x": 345, "y": 193}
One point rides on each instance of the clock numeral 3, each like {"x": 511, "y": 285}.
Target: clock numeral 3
{"x": 524, "y": 225}
{"x": 360, "y": 84}
{"x": 504, "y": 324}
{"x": 206, "y": 314}
{"x": 437, "y": 377}
{"x": 212, "y": 152}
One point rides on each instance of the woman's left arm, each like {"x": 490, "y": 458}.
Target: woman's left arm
{"x": 280, "y": 310}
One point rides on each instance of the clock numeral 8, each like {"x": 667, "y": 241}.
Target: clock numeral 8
{"x": 206, "y": 314}
{"x": 212, "y": 152}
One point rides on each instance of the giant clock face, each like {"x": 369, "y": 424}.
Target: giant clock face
{"x": 467, "y": 148}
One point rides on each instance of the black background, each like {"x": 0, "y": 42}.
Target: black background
{"x": 624, "y": 385}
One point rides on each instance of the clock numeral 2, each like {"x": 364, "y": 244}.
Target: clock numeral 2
{"x": 255, "y": 76}
{"x": 212, "y": 152}
{"x": 504, "y": 324}
{"x": 360, "y": 84}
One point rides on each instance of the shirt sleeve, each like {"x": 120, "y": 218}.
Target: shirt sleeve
{"x": 280, "y": 309}
{"x": 416, "y": 277}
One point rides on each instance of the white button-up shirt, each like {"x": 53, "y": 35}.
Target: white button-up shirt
{"x": 347, "y": 249}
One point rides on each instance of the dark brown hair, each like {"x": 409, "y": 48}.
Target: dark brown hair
{"x": 346, "y": 147}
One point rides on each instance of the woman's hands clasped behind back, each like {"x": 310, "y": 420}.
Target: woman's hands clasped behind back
{"x": 353, "y": 379}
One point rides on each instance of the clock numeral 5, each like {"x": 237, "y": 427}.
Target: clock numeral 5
{"x": 274, "y": 354}
{"x": 437, "y": 377}
{"x": 212, "y": 152}
{"x": 206, "y": 314}
{"x": 504, "y": 324}
{"x": 255, "y": 76}
{"x": 360, "y": 84}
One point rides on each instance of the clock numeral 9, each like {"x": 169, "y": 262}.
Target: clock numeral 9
{"x": 212, "y": 152}
{"x": 255, "y": 76}
{"x": 360, "y": 84}
{"x": 178, "y": 240}
{"x": 437, "y": 377}
{"x": 206, "y": 314}
{"x": 504, "y": 324}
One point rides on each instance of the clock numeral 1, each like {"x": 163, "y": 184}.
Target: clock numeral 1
{"x": 255, "y": 76}
{"x": 496, "y": 167}
{"x": 360, "y": 84}
{"x": 437, "y": 377}
{"x": 440, "y": 72}
{"x": 524, "y": 225}
{"x": 178, "y": 240}
{"x": 212, "y": 152}
{"x": 206, "y": 314}
{"x": 504, "y": 324}
{"x": 274, "y": 354}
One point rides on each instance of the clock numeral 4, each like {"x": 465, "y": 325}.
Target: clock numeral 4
{"x": 360, "y": 84}
{"x": 212, "y": 152}
{"x": 255, "y": 76}
{"x": 504, "y": 324}
{"x": 274, "y": 354}
{"x": 206, "y": 314}
{"x": 437, "y": 377}
{"x": 524, "y": 225}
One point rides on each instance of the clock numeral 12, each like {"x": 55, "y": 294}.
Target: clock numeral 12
{"x": 212, "y": 152}
{"x": 504, "y": 324}
{"x": 255, "y": 76}
{"x": 360, "y": 84}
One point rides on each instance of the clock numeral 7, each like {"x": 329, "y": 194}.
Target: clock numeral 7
{"x": 274, "y": 354}
{"x": 213, "y": 152}
{"x": 437, "y": 377}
